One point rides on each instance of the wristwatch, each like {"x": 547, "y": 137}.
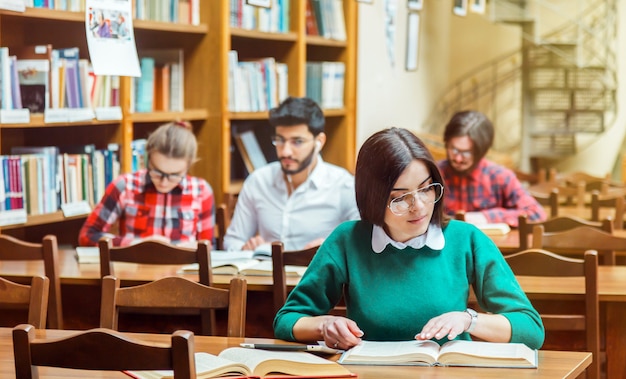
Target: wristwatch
{"x": 474, "y": 317}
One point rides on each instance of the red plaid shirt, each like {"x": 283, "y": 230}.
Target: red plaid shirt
{"x": 492, "y": 189}
{"x": 184, "y": 214}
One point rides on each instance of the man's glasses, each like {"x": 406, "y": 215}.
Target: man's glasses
{"x": 157, "y": 174}
{"x": 294, "y": 142}
{"x": 465, "y": 154}
{"x": 427, "y": 195}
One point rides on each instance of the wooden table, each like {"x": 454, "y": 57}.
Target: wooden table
{"x": 611, "y": 287}
{"x": 552, "y": 364}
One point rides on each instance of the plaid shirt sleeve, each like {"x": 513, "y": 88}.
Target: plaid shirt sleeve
{"x": 104, "y": 215}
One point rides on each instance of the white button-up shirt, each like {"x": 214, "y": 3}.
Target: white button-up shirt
{"x": 313, "y": 210}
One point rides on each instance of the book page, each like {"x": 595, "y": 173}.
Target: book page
{"x": 207, "y": 366}
{"x": 265, "y": 268}
{"x": 88, "y": 254}
{"x": 392, "y": 352}
{"x": 496, "y": 229}
{"x": 263, "y": 362}
{"x": 477, "y": 353}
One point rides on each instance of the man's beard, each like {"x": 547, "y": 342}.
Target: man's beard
{"x": 306, "y": 162}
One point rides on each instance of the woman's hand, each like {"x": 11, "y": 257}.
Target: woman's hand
{"x": 449, "y": 324}
{"x": 340, "y": 332}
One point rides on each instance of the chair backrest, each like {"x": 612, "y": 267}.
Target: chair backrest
{"x": 280, "y": 259}
{"x": 222, "y": 220}
{"x": 578, "y": 240}
{"x": 13, "y": 249}
{"x": 160, "y": 253}
{"x": 557, "y": 224}
{"x": 102, "y": 349}
{"x": 175, "y": 292}
{"x": 538, "y": 262}
{"x": 34, "y": 296}
{"x": 550, "y": 199}
{"x": 615, "y": 202}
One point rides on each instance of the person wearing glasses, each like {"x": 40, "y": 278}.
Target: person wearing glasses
{"x": 485, "y": 191}
{"x": 405, "y": 269}
{"x": 299, "y": 199}
{"x": 161, "y": 202}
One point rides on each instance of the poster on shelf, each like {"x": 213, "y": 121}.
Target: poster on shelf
{"x": 111, "y": 38}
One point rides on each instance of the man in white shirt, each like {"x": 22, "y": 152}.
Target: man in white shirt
{"x": 299, "y": 199}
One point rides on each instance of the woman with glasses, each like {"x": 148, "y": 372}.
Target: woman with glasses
{"x": 161, "y": 202}
{"x": 405, "y": 270}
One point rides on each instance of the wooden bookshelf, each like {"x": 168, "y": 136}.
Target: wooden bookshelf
{"x": 205, "y": 48}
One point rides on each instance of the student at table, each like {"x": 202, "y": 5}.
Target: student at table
{"x": 487, "y": 192}
{"x": 406, "y": 268}
{"x": 161, "y": 202}
{"x": 300, "y": 199}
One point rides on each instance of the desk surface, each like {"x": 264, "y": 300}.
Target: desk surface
{"x": 552, "y": 364}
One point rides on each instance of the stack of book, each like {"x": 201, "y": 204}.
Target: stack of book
{"x": 325, "y": 83}
{"x": 325, "y": 18}
{"x": 274, "y": 18}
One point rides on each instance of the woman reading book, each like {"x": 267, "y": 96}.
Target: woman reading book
{"x": 161, "y": 202}
{"x": 406, "y": 268}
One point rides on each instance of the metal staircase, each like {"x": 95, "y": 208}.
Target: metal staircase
{"x": 553, "y": 95}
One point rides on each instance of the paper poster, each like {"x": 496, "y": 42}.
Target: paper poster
{"x": 110, "y": 37}
{"x": 391, "y": 7}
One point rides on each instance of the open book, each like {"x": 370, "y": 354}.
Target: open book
{"x": 453, "y": 353}
{"x": 88, "y": 254}
{"x": 257, "y": 363}
{"x": 495, "y": 229}
{"x": 244, "y": 262}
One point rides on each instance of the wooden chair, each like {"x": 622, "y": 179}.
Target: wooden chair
{"x": 222, "y": 220}
{"x": 159, "y": 253}
{"x": 557, "y": 224}
{"x": 578, "y": 240}
{"x": 175, "y": 292}
{"x": 615, "y": 202}
{"x": 102, "y": 349}
{"x": 537, "y": 262}
{"x": 280, "y": 259}
{"x": 34, "y": 296}
{"x": 549, "y": 199}
{"x": 13, "y": 249}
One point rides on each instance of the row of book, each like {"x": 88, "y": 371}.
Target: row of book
{"x": 161, "y": 84}
{"x": 274, "y": 18}
{"x": 255, "y": 86}
{"x": 179, "y": 11}
{"x": 42, "y": 179}
{"x": 63, "y": 5}
{"x": 325, "y": 18}
{"x": 325, "y": 83}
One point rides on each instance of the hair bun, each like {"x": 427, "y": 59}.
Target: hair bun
{"x": 183, "y": 124}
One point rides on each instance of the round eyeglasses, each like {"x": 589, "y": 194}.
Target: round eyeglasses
{"x": 427, "y": 195}
{"x": 465, "y": 154}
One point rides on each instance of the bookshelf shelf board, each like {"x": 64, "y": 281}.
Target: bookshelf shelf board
{"x": 170, "y": 27}
{"x": 265, "y": 36}
{"x": 249, "y": 115}
{"x": 162, "y": 116}
{"x": 48, "y": 14}
{"x": 36, "y": 121}
{"x": 321, "y": 41}
{"x": 42, "y": 219}
{"x": 334, "y": 112}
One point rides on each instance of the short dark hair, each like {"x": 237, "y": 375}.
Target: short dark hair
{"x": 298, "y": 110}
{"x": 476, "y": 126}
{"x": 382, "y": 159}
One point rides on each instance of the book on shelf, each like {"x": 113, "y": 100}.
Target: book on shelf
{"x": 494, "y": 229}
{"x": 452, "y": 353}
{"x": 6, "y": 100}
{"x": 40, "y": 52}
{"x": 51, "y": 181}
{"x": 250, "y": 150}
{"x": 72, "y": 89}
{"x": 257, "y": 363}
{"x": 34, "y": 83}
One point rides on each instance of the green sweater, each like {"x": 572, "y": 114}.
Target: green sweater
{"x": 393, "y": 294}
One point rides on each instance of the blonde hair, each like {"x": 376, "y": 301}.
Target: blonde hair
{"x": 174, "y": 140}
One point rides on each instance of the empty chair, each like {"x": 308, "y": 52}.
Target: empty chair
{"x": 615, "y": 203}
{"x": 101, "y": 349}
{"x": 280, "y": 259}
{"x": 175, "y": 292}
{"x": 538, "y": 262}
{"x": 549, "y": 199}
{"x": 33, "y": 296}
{"x": 578, "y": 240}
{"x": 153, "y": 252}
{"x": 557, "y": 224}
{"x": 13, "y": 249}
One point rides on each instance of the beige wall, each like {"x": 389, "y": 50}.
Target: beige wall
{"x": 449, "y": 47}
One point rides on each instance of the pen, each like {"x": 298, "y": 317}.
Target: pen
{"x": 285, "y": 347}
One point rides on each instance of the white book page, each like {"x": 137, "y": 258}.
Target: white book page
{"x": 392, "y": 351}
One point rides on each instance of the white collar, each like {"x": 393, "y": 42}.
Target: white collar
{"x": 433, "y": 238}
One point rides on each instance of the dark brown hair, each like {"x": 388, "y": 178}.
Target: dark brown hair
{"x": 476, "y": 126}
{"x": 382, "y": 159}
